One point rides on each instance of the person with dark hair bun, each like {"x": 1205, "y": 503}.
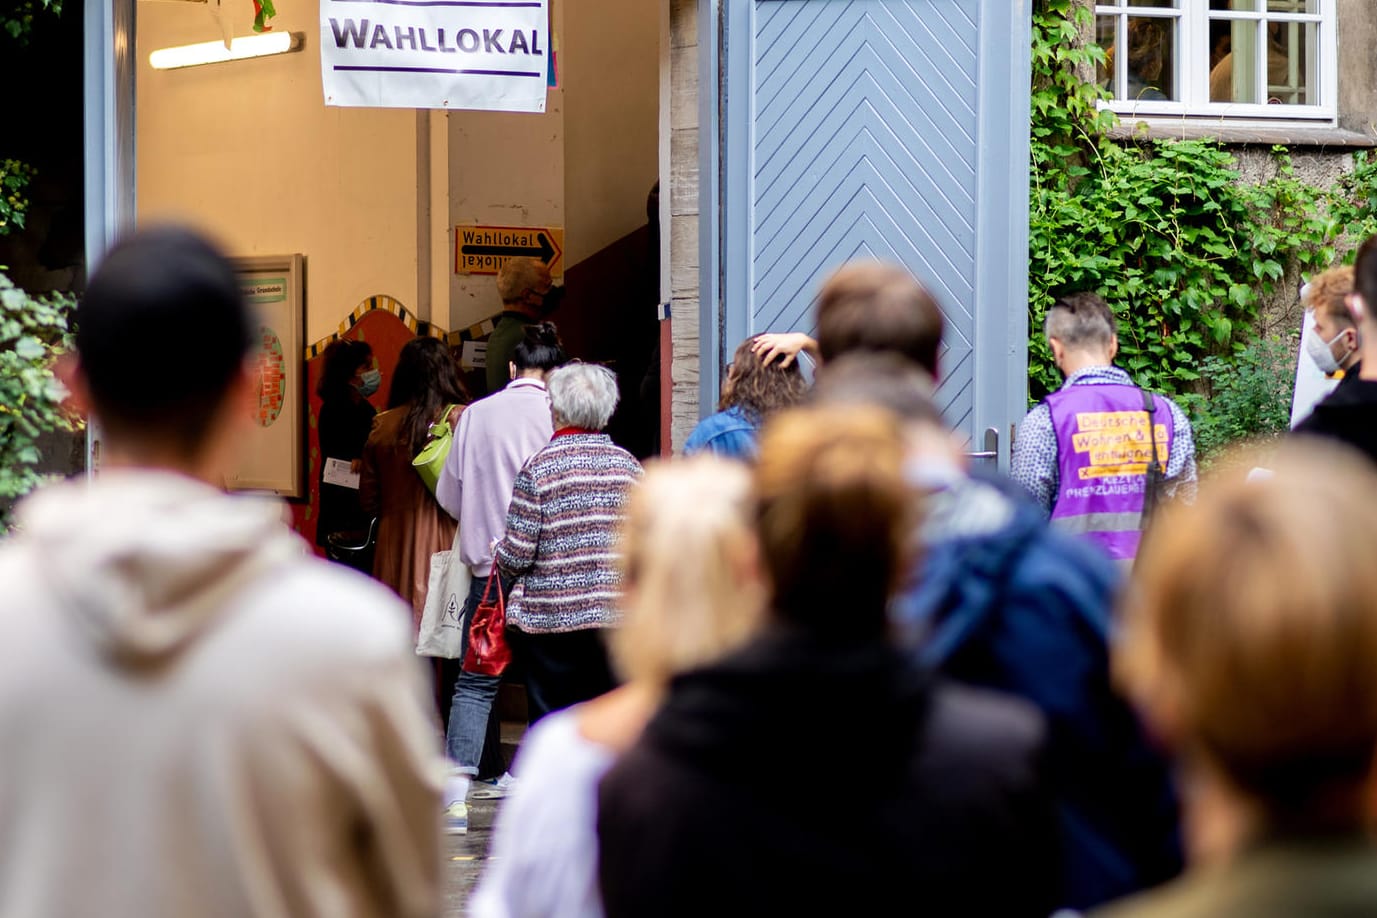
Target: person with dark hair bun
{"x": 754, "y": 389}
{"x": 411, "y": 525}
{"x": 346, "y": 417}
{"x": 529, "y": 295}
{"x": 207, "y": 718}
{"x": 496, "y": 436}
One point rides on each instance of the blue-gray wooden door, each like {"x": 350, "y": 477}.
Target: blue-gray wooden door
{"x": 891, "y": 129}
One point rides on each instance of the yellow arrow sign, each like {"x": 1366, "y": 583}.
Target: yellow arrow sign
{"x": 485, "y": 249}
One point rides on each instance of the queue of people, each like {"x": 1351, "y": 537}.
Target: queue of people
{"x": 1107, "y": 684}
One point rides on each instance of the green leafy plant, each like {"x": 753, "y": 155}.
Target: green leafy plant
{"x": 1067, "y": 119}
{"x": 1185, "y": 252}
{"x": 1171, "y": 240}
{"x": 14, "y": 179}
{"x": 32, "y": 331}
{"x": 1250, "y": 396}
{"x": 18, "y": 20}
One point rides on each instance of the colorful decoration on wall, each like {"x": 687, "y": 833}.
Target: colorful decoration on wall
{"x": 272, "y": 377}
{"x": 418, "y": 327}
{"x": 263, "y": 10}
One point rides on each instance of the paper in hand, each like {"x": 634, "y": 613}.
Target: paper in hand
{"x": 338, "y": 472}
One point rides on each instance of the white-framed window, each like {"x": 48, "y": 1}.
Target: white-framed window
{"x": 1247, "y": 59}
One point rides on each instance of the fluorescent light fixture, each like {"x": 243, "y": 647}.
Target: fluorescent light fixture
{"x": 215, "y": 52}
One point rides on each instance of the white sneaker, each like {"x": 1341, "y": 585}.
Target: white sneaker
{"x": 457, "y": 818}
{"x": 493, "y": 789}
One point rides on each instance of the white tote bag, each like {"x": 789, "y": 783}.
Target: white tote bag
{"x": 442, "y": 623}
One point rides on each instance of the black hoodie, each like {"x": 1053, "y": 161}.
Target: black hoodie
{"x": 1348, "y": 414}
{"x": 729, "y": 803}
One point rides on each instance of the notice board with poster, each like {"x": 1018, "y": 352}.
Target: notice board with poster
{"x": 272, "y": 456}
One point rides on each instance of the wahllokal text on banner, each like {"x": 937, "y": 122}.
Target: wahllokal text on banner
{"x": 475, "y": 54}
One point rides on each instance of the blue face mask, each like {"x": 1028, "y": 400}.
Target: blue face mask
{"x": 369, "y": 381}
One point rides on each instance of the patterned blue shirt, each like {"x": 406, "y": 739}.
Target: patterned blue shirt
{"x": 1035, "y": 448}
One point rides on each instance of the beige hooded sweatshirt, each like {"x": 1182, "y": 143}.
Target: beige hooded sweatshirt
{"x": 199, "y": 719}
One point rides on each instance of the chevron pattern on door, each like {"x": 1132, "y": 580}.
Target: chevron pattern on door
{"x": 865, "y": 144}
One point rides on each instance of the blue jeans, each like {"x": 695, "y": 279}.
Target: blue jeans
{"x": 474, "y": 694}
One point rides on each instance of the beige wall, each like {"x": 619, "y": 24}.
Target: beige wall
{"x": 611, "y": 117}
{"x": 505, "y": 169}
{"x": 586, "y": 165}
{"x": 249, "y": 151}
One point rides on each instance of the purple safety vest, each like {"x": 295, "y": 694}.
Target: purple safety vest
{"x": 1103, "y": 448}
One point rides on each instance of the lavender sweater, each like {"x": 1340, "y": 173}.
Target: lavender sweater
{"x": 496, "y": 436}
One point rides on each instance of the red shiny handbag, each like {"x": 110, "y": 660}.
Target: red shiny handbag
{"x": 488, "y": 653}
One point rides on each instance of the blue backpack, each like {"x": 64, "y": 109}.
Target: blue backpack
{"x": 1026, "y": 610}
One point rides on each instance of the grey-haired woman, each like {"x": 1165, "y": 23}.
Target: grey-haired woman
{"x": 560, "y": 544}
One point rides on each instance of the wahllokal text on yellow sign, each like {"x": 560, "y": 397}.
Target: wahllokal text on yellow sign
{"x": 485, "y": 249}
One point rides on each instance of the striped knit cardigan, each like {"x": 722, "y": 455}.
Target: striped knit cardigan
{"x": 567, "y": 504}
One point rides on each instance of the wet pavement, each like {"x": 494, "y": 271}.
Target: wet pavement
{"x": 465, "y": 856}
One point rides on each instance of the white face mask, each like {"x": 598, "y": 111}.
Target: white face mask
{"x": 1319, "y": 350}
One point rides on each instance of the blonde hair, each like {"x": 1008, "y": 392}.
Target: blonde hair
{"x": 519, "y": 276}
{"x": 1253, "y": 635}
{"x": 1328, "y": 292}
{"x": 687, "y": 556}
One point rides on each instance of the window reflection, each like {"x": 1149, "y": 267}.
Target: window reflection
{"x": 1237, "y": 52}
{"x": 1151, "y": 48}
{"x": 1106, "y": 38}
{"x": 1257, "y": 54}
{"x": 1267, "y": 6}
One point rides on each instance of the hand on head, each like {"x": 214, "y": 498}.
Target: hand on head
{"x": 782, "y": 346}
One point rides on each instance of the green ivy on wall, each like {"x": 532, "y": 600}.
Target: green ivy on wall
{"x": 17, "y": 23}
{"x": 1184, "y": 252}
{"x": 18, "y": 20}
{"x": 32, "y": 331}
{"x": 14, "y": 204}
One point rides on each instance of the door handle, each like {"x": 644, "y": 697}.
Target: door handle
{"x": 990, "y": 452}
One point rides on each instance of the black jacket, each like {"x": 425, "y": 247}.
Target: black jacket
{"x": 1348, "y": 414}
{"x": 731, "y": 802}
{"x": 343, "y": 428}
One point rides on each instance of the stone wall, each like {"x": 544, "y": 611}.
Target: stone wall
{"x": 1281, "y": 313}
{"x": 683, "y": 217}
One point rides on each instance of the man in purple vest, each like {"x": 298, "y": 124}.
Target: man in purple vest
{"x": 1085, "y": 451}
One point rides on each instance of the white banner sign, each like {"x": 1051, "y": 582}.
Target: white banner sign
{"x": 478, "y": 54}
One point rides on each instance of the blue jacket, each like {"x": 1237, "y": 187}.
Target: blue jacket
{"x": 1005, "y": 602}
{"x": 728, "y": 433}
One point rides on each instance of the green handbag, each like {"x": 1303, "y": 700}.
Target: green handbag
{"x": 431, "y": 459}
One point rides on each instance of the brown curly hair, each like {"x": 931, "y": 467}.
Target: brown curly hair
{"x": 759, "y": 389}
